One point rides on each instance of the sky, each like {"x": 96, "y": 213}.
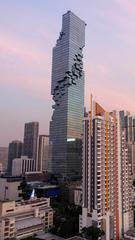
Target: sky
{"x": 28, "y": 31}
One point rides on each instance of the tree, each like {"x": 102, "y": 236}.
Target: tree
{"x": 66, "y": 218}
{"x": 92, "y": 233}
{"x": 25, "y": 190}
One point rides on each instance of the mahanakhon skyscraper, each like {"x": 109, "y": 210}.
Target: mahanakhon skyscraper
{"x": 67, "y": 89}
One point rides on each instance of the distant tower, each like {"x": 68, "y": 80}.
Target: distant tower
{"x": 30, "y": 140}
{"x": 14, "y": 151}
{"x": 4, "y": 157}
{"x": 67, "y": 90}
{"x": 128, "y": 125}
{"x": 43, "y": 153}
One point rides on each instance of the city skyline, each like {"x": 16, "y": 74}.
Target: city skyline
{"x": 26, "y": 51}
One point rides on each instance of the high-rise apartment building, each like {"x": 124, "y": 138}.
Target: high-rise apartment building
{"x": 107, "y": 175}
{"x": 14, "y": 151}
{"x": 43, "y": 153}
{"x": 30, "y": 141}
{"x": 128, "y": 123}
{"x": 67, "y": 90}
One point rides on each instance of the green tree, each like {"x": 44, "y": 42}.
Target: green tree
{"x": 92, "y": 233}
{"x": 66, "y": 218}
{"x": 25, "y": 190}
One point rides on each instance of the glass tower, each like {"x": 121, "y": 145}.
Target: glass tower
{"x": 67, "y": 89}
{"x": 31, "y": 130}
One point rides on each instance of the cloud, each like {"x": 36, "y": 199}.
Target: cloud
{"x": 110, "y": 98}
{"x": 105, "y": 84}
{"x": 128, "y": 5}
{"x": 24, "y": 66}
{"x": 103, "y": 69}
{"x": 120, "y": 17}
{"x": 10, "y": 44}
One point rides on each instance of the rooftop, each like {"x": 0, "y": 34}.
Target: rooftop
{"x": 76, "y": 238}
{"x": 29, "y": 222}
{"x": 48, "y": 236}
{"x": 34, "y": 200}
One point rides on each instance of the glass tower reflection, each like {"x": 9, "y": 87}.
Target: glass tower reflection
{"x": 67, "y": 89}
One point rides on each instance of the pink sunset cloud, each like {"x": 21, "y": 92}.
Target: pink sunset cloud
{"x": 100, "y": 84}
{"x": 11, "y": 44}
{"x": 26, "y": 57}
{"x": 33, "y": 73}
{"x": 128, "y": 5}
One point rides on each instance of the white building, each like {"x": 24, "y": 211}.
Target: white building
{"x": 43, "y": 153}
{"x": 20, "y": 220}
{"x": 22, "y": 165}
{"x": 9, "y": 188}
{"x": 78, "y": 196}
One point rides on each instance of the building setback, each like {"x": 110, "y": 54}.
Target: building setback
{"x": 67, "y": 89}
{"x": 107, "y": 174}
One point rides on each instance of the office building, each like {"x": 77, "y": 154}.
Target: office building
{"x": 14, "y": 151}
{"x": 22, "y": 165}
{"x": 67, "y": 89}
{"x": 43, "y": 153}
{"x": 30, "y": 141}
{"x": 107, "y": 174}
{"x": 4, "y": 156}
{"x": 128, "y": 125}
{"x": 24, "y": 219}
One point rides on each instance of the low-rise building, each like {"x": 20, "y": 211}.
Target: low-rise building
{"x": 24, "y": 219}
{"x": 43, "y": 189}
{"x": 9, "y": 188}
